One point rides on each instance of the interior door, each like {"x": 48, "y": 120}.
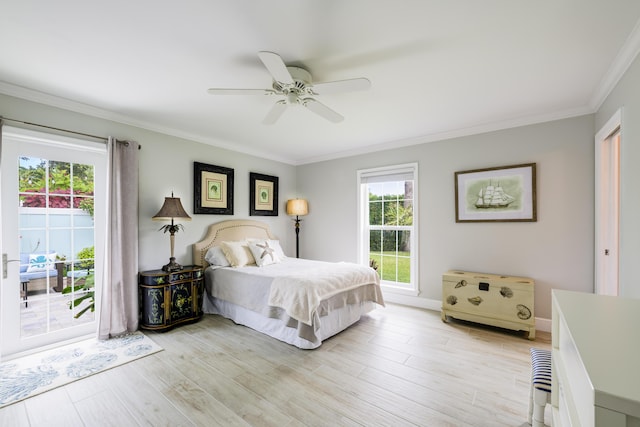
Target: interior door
{"x": 607, "y": 205}
{"x": 52, "y": 213}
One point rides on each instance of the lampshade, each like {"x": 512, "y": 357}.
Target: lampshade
{"x": 297, "y": 207}
{"x": 172, "y": 208}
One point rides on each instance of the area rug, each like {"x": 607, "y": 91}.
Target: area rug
{"x": 34, "y": 374}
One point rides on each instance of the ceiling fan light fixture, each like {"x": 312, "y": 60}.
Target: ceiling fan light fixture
{"x": 292, "y": 98}
{"x": 295, "y": 85}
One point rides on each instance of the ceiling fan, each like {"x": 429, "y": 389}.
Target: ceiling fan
{"x": 294, "y": 84}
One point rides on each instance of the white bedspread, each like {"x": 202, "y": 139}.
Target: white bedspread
{"x": 300, "y": 294}
{"x": 232, "y": 291}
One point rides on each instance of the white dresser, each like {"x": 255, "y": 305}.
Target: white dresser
{"x": 596, "y": 360}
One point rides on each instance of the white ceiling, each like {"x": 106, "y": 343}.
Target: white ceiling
{"x": 438, "y": 68}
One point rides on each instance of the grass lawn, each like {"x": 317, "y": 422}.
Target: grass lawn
{"x": 387, "y": 266}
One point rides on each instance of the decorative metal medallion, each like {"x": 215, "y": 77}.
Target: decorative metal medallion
{"x": 523, "y": 312}
{"x": 452, "y": 300}
{"x": 506, "y": 292}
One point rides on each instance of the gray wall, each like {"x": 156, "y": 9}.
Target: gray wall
{"x": 626, "y": 95}
{"x": 556, "y": 251}
{"x": 166, "y": 165}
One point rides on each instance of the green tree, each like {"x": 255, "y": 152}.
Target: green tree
{"x": 63, "y": 178}
{"x": 396, "y": 210}
{"x": 375, "y": 209}
{"x": 399, "y": 213}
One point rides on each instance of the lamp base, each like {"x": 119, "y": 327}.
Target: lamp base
{"x": 172, "y": 266}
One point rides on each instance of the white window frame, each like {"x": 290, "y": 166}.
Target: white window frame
{"x": 412, "y": 288}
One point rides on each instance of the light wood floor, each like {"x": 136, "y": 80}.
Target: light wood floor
{"x": 398, "y": 366}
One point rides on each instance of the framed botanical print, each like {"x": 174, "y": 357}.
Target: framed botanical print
{"x": 212, "y": 189}
{"x": 263, "y": 194}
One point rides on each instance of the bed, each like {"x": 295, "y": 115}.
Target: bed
{"x": 301, "y": 302}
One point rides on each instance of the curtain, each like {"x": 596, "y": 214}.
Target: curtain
{"x": 119, "y": 297}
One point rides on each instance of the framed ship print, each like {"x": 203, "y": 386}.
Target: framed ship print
{"x": 506, "y": 194}
{"x": 212, "y": 189}
{"x": 263, "y": 194}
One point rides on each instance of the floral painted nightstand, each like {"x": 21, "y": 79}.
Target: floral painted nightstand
{"x": 168, "y": 299}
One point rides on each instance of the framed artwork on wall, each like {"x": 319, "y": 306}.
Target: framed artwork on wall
{"x": 263, "y": 194}
{"x": 212, "y": 189}
{"x": 504, "y": 194}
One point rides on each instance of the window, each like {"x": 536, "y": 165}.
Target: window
{"x": 56, "y": 214}
{"x": 388, "y": 223}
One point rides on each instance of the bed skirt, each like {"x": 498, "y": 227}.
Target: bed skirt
{"x": 336, "y": 321}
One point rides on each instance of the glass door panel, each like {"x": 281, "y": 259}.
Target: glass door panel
{"x": 49, "y": 224}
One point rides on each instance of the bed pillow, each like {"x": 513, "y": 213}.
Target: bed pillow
{"x": 264, "y": 252}
{"x": 41, "y": 262}
{"x": 215, "y": 256}
{"x": 275, "y": 245}
{"x": 237, "y": 253}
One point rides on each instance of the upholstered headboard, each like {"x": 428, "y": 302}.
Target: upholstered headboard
{"x": 231, "y": 230}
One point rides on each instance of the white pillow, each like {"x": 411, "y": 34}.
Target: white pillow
{"x": 215, "y": 256}
{"x": 264, "y": 252}
{"x": 237, "y": 253}
{"x": 274, "y": 244}
{"x": 41, "y": 262}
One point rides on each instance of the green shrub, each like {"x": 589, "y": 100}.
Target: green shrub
{"x": 86, "y": 257}
{"x": 83, "y": 287}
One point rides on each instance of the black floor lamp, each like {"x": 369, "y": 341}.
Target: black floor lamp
{"x": 297, "y": 207}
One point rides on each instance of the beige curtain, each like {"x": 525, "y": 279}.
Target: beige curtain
{"x": 119, "y": 299}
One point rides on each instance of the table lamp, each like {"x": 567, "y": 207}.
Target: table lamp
{"x": 171, "y": 209}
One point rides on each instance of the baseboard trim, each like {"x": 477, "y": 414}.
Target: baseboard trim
{"x": 542, "y": 324}
{"x": 411, "y": 301}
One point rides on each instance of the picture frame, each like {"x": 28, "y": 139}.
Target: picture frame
{"x": 263, "y": 195}
{"x": 498, "y": 194}
{"x": 212, "y": 189}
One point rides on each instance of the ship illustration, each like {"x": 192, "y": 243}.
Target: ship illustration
{"x": 493, "y": 196}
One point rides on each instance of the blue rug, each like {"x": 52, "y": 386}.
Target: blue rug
{"x": 34, "y": 374}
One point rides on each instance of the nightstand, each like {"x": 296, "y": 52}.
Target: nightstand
{"x": 168, "y": 299}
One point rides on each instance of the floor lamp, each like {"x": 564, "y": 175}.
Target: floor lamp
{"x": 172, "y": 208}
{"x": 297, "y": 207}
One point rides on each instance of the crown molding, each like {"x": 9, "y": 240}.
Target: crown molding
{"x": 78, "y": 107}
{"x": 55, "y": 101}
{"x": 623, "y": 60}
{"x": 457, "y": 133}
{"x": 63, "y": 103}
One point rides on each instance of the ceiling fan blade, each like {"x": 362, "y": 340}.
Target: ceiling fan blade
{"x": 348, "y": 85}
{"x": 274, "y": 114}
{"x": 223, "y": 91}
{"x": 322, "y": 110}
{"x": 276, "y": 67}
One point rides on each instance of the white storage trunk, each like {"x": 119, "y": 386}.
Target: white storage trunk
{"x": 491, "y": 299}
